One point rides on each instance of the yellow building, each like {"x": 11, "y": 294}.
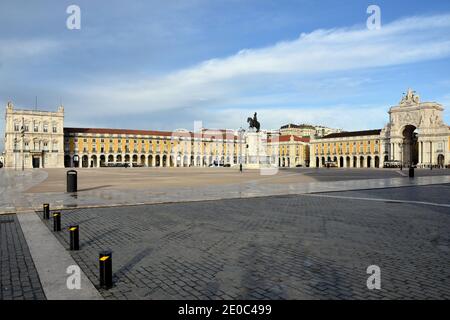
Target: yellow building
{"x": 288, "y": 150}
{"x": 93, "y": 147}
{"x": 357, "y": 149}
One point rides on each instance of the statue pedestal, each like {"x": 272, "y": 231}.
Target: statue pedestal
{"x": 256, "y": 153}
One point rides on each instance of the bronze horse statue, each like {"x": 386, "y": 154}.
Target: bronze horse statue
{"x": 253, "y": 122}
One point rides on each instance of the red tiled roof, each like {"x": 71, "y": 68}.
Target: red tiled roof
{"x": 353, "y": 134}
{"x": 117, "y": 131}
{"x": 148, "y": 133}
{"x": 286, "y": 138}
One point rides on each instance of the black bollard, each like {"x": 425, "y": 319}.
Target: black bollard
{"x": 105, "y": 263}
{"x": 74, "y": 235}
{"x": 56, "y": 221}
{"x": 46, "y": 211}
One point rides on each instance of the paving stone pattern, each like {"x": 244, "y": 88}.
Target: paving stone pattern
{"x": 281, "y": 247}
{"x": 19, "y": 279}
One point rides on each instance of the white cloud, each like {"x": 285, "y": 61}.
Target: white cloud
{"x": 12, "y": 49}
{"x": 320, "y": 52}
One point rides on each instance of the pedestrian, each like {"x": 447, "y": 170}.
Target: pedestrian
{"x": 240, "y": 167}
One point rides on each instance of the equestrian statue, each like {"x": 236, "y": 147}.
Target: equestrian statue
{"x": 253, "y": 122}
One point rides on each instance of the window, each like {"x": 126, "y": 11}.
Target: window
{"x": 54, "y": 129}
{"x": 45, "y": 127}
{"x": 84, "y": 140}
{"x": 16, "y": 127}
{"x": 35, "y": 126}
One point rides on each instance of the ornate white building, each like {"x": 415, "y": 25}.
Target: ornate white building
{"x": 415, "y": 135}
{"x": 34, "y": 139}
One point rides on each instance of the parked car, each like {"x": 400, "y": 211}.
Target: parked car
{"x": 137, "y": 165}
{"x": 227, "y": 165}
{"x": 1, "y": 165}
{"x": 392, "y": 164}
{"x": 331, "y": 164}
{"x": 119, "y": 164}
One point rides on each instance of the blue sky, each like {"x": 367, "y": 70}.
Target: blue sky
{"x": 165, "y": 64}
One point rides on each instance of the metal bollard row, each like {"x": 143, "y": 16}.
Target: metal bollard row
{"x": 105, "y": 257}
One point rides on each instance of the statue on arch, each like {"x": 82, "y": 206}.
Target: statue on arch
{"x": 410, "y": 97}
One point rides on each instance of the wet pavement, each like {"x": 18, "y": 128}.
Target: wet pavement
{"x": 14, "y": 198}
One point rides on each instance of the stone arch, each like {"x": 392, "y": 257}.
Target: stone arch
{"x": 94, "y": 161}
{"x": 102, "y": 160}
{"x": 410, "y": 148}
{"x": 150, "y": 161}
{"x": 441, "y": 161}
{"x": 85, "y": 161}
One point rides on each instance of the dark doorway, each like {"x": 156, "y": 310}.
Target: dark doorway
{"x": 410, "y": 146}
{"x": 36, "y": 161}
{"x": 67, "y": 161}
{"x": 440, "y": 161}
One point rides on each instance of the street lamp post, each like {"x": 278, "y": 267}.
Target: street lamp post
{"x": 241, "y": 132}
{"x": 22, "y": 133}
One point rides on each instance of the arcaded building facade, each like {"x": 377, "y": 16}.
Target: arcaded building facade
{"x": 415, "y": 135}
{"x": 91, "y": 147}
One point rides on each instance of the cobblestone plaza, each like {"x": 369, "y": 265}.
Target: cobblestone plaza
{"x": 303, "y": 245}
